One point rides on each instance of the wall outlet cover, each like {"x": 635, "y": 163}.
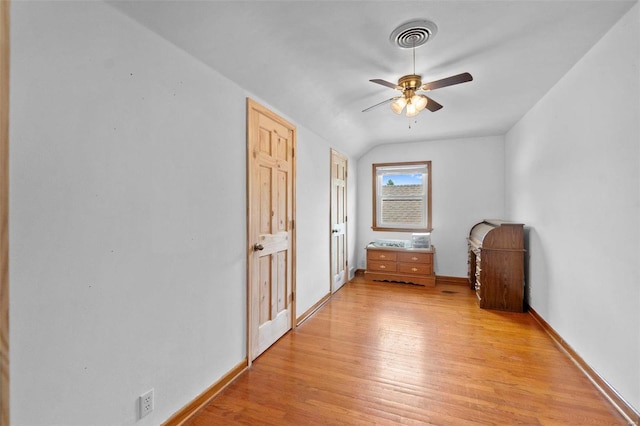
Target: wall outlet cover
{"x": 146, "y": 403}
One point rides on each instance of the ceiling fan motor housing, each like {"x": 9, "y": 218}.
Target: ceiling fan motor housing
{"x": 411, "y": 81}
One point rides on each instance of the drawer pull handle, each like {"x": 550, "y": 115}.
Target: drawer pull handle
{"x": 382, "y": 256}
{"x": 382, "y": 267}
{"x": 414, "y": 269}
{"x": 414, "y": 258}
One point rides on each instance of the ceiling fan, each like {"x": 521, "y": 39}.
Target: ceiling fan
{"x": 411, "y": 35}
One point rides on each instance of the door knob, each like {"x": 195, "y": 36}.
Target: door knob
{"x": 334, "y": 231}
{"x": 258, "y": 247}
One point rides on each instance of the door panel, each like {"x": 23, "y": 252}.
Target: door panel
{"x": 265, "y": 291}
{"x": 339, "y": 264}
{"x": 271, "y": 179}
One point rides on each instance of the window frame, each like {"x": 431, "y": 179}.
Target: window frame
{"x": 377, "y": 200}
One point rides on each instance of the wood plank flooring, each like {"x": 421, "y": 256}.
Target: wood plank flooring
{"x": 388, "y": 354}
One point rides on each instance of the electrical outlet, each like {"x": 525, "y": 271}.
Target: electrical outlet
{"x": 146, "y": 403}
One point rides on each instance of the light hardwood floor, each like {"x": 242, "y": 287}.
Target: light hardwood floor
{"x": 385, "y": 353}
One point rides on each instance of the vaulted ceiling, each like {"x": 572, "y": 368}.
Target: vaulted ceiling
{"x": 312, "y": 60}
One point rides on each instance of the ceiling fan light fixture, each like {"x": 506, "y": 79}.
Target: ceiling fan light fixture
{"x": 399, "y": 105}
{"x": 420, "y": 102}
{"x": 412, "y": 111}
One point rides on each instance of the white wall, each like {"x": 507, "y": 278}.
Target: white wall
{"x": 353, "y": 189}
{"x": 572, "y": 173}
{"x": 313, "y": 207}
{"x": 467, "y": 187}
{"x": 313, "y": 235}
{"x": 127, "y": 214}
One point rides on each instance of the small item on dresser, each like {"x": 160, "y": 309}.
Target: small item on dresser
{"x": 421, "y": 240}
{"x": 392, "y": 243}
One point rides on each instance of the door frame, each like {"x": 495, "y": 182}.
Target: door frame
{"x": 333, "y": 152}
{"x": 253, "y": 105}
{"x": 4, "y": 212}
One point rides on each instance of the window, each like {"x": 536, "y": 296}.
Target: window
{"x": 402, "y": 196}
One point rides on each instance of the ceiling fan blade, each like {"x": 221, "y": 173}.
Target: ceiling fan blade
{"x": 432, "y": 105}
{"x": 449, "y": 81}
{"x": 386, "y": 83}
{"x": 381, "y": 103}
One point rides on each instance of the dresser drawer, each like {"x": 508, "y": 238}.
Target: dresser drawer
{"x": 415, "y": 268}
{"x": 381, "y": 265}
{"x": 415, "y": 257}
{"x": 382, "y": 255}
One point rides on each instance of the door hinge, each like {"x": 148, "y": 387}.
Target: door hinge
{"x": 293, "y": 152}
{"x": 293, "y": 224}
{"x": 293, "y": 296}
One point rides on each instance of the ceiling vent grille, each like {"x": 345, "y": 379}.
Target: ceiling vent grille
{"x": 413, "y": 34}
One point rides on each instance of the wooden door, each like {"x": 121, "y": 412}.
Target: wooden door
{"x": 339, "y": 264}
{"x": 271, "y": 248}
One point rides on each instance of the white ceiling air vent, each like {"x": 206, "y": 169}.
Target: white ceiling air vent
{"x": 413, "y": 34}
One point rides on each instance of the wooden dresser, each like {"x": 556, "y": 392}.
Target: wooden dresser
{"x": 406, "y": 265}
{"x": 496, "y": 264}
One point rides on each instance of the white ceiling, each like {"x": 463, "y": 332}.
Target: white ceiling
{"x": 312, "y": 60}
